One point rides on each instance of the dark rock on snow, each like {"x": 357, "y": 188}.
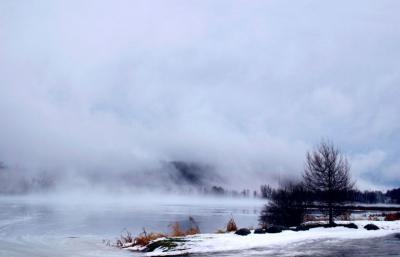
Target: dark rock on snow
{"x": 371, "y": 227}
{"x": 350, "y": 225}
{"x": 333, "y": 225}
{"x": 305, "y": 227}
{"x": 260, "y": 231}
{"x": 243, "y": 232}
{"x": 274, "y": 229}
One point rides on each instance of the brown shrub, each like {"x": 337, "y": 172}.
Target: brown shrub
{"x": 345, "y": 216}
{"x": 231, "y": 226}
{"x": 176, "y": 230}
{"x": 192, "y": 231}
{"x": 392, "y": 216}
{"x": 145, "y": 238}
{"x": 194, "y": 228}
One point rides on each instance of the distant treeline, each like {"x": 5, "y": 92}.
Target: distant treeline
{"x": 266, "y": 191}
{"x": 220, "y": 191}
{"x": 369, "y": 197}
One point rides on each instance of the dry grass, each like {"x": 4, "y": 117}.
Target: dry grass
{"x": 345, "y": 216}
{"x": 231, "y": 226}
{"x": 392, "y": 216}
{"x": 177, "y": 231}
{"x": 124, "y": 239}
{"x": 192, "y": 231}
{"x": 194, "y": 227}
{"x": 145, "y": 238}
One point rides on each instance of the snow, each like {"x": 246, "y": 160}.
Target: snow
{"x": 203, "y": 243}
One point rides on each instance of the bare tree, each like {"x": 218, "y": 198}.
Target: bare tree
{"x": 327, "y": 176}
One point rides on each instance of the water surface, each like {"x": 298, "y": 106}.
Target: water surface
{"x": 49, "y": 226}
{"x": 54, "y": 226}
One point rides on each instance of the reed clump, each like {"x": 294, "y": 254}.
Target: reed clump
{"x": 177, "y": 231}
{"x": 145, "y": 238}
{"x": 231, "y": 226}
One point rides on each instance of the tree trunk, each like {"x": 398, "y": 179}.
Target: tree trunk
{"x": 330, "y": 214}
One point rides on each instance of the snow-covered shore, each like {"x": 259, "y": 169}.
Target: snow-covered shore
{"x": 204, "y": 243}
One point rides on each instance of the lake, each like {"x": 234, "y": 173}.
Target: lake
{"x": 75, "y": 226}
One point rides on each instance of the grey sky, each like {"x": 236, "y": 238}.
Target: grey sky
{"x": 247, "y": 86}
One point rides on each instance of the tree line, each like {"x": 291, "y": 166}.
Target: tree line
{"x": 355, "y": 195}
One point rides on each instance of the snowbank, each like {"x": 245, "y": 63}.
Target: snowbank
{"x": 228, "y": 242}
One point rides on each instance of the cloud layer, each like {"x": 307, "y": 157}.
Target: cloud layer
{"x": 106, "y": 87}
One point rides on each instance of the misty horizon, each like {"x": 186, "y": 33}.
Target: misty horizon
{"x": 109, "y": 95}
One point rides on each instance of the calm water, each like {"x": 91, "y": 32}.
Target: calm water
{"x": 32, "y": 227}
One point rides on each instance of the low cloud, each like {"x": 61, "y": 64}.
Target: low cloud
{"x": 119, "y": 88}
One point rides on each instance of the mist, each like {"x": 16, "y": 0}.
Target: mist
{"x": 108, "y": 95}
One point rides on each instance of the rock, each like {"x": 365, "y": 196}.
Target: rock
{"x": 333, "y": 225}
{"x": 260, "y": 231}
{"x": 243, "y": 232}
{"x": 301, "y": 228}
{"x": 305, "y": 227}
{"x": 274, "y": 229}
{"x": 371, "y": 227}
{"x": 350, "y": 225}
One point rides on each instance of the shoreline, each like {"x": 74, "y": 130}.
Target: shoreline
{"x": 214, "y": 243}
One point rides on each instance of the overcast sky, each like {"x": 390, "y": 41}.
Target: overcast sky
{"x": 247, "y": 86}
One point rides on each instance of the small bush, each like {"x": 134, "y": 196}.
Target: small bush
{"x": 392, "y": 216}
{"x": 145, "y": 238}
{"x": 194, "y": 228}
{"x": 125, "y": 239}
{"x": 231, "y": 226}
{"x": 177, "y": 231}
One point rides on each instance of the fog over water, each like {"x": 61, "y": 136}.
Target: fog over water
{"x": 105, "y": 95}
